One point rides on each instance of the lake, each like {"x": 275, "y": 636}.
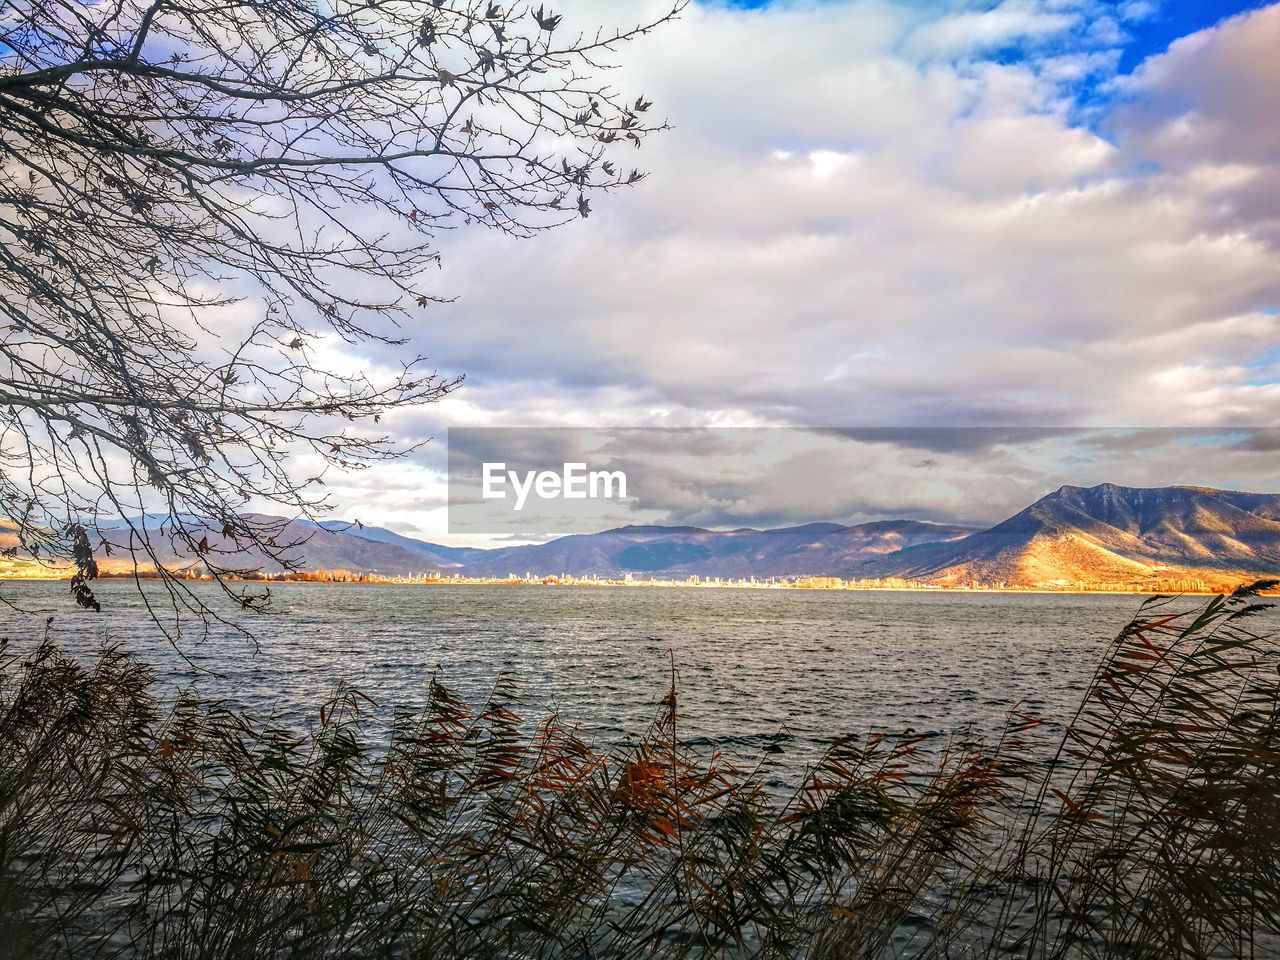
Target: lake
{"x": 755, "y": 666}
{"x": 786, "y": 669}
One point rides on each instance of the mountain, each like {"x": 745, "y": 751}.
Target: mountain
{"x": 815, "y": 549}
{"x": 1109, "y": 533}
{"x": 438, "y": 555}
{"x": 321, "y": 547}
{"x": 1099, "y": 535}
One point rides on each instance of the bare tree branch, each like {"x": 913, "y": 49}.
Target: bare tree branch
{"x": 196, "y": 194}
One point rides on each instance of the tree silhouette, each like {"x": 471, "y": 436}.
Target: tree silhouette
{"x": 200, "y": 198}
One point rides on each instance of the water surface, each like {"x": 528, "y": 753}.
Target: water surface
{"x": 752, "y": 664}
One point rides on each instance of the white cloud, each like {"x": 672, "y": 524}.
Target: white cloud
{"x": 977, "y": 31}
{"x": 1211, "y": 97}
{"x": 858, "y": 220}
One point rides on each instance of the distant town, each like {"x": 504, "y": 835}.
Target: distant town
{"x": 1177, "y": 583}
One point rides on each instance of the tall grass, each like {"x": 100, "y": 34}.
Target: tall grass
{"x": 1149, "y": 826}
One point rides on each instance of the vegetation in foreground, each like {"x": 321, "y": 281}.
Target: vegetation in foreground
{"x": 1148, "y": 827}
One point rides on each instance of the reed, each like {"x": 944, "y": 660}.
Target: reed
{"x": 1147, "y": 826}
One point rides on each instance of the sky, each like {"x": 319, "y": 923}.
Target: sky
{"x": 900, "y": 215}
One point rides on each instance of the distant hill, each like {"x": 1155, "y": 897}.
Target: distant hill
{"x": 816, "y": 549}
{"x": 321, "y": 548}
{"x": 1109, "y": 533}
{"x": 446, "y": 558}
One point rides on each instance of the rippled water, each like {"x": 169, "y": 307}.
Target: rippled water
{"x": 752, "y": 663}
{"x": 791, "y": 668}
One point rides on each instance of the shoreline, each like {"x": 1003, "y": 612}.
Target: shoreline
{"x": 668, "y": 585}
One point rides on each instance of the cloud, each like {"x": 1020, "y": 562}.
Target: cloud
{"x": 1210, "y": 98}
{"x": 865, "y": 216}
{"x": 777, "y": 477}
{"x": 977, "y": 31}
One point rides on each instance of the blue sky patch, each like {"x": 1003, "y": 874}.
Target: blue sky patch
{"x": 1146, "y": 35}
{"x": 1177, "y": 19}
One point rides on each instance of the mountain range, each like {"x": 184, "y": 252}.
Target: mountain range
{"x": 1073, "y": 536}
{"x": 809, "y": 550}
